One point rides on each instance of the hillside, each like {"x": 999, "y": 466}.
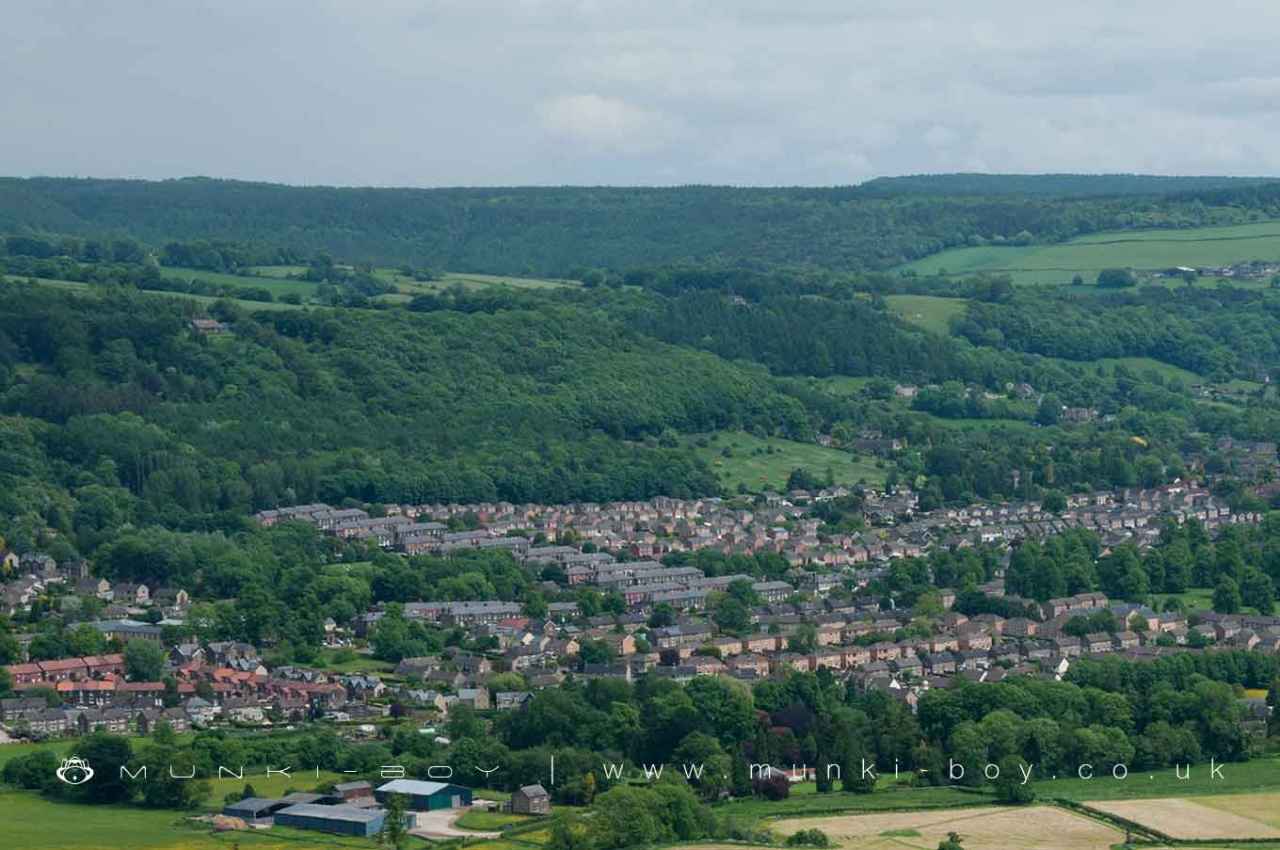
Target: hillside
{"x": 554, "y": 231}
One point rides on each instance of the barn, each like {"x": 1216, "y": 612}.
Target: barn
{"x": 254, "y": 808}
{"x": 343, "y": 820}
{"x": 425, "y": 796}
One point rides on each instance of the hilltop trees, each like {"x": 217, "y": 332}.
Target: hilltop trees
{"x": 1116, "y": 278}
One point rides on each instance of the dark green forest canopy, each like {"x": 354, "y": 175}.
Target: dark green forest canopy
{"x": 555, "y": 230}
{"x": 552, "y": 405}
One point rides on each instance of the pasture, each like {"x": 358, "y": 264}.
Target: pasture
{"x": 251, "y": 306}
{"x": 467, "y": 280}
{"x": 1231, "y": 816}
{"x": 1087, "y": 255}
{"x": 275, "y": 283}
{"x": 984, "y": 828}
{"x": 1261, "y": 775}
{"x": 34, "y": 823}
{"x": 884, "y": 799}
{"x": 759, "y": 464}
{"x": 931, "y": 312}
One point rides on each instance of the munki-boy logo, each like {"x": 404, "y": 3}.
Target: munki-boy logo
{"x": 75, "y": 771}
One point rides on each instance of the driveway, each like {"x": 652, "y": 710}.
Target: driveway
{"x": 439, "y": 824}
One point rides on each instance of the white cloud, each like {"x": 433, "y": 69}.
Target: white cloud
{"x": 458, "y": 92}
{"x": 606, "y": 124}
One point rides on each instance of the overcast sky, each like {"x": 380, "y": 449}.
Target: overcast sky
{"x": 482, "y": 92}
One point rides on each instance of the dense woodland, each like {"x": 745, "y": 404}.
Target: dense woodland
{"x": 552, "y": 231}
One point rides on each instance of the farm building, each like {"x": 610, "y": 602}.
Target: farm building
{"x": 343, "y": 820}
{"x": 254, "y": 808}
{"x": 426, "y": 796}
{"x": 353, "y": 790}
{"x": 531, "y": 800}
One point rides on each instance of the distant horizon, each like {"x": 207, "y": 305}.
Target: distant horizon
{"x": 534, "y": 185}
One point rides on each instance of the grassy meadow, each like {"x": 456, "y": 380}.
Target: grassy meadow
{"x": 760, "y": 464}
{"x": 1250, "y": 777}
{"x": 931, "y": 312}
{"x": 34, "y": 823}
{"x": 1087, "y": 255}
{"x": 266, "y": 278}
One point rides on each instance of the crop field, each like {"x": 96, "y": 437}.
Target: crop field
{"x": 931, "y": 312}
{"x": 1227, "y": 816}
{"x": 989, "y": 828}
{"x": 764, "y": 463}
{"x": 1087, "y": 255}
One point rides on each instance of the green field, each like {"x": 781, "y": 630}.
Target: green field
{"x": 276, "y": 271}
{"x": 489, "y": 821}
{"x": 60, "y": 746}
{"x": 764, "y": 464}
{"x": 1087, "y": 255}
{"x": 467, "y": 281}
{"x": 1139, "y": 365}
{"x": 206, "y": 299}
{"x": 1239, "y": 778}
{"x": 843, "y": 801}
{"x": 359, "y": 664}
{"x": 34, "y": 823}
{"x": 275, "y": 283}
{"x": 931, "y": 312}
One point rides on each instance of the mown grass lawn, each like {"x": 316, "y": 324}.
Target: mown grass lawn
{"x": 760, "y": 464}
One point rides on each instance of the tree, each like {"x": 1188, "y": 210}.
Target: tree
{"x": 731, "y": 615}
{"x": 1226, "y": 596}
{"x": 393, "y": 832}
{"x": 1116, "y": 278}
{"x": 595, "y": 652}
{"x": 952, "y": 842}
{"x": 1258, "y": 588}
{"x": 663, "y": 615}
{"x": 1050, "y": 410}
{"x": 144, "y": 660}
{"x": 703, "y": 756}
{"x": 1010, "y": 787}
{"x": 1054, "y": 501}
{"x": 808, "y": 838}
{"x": 804, "y": 639}
{"x": 106, "y": 754}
